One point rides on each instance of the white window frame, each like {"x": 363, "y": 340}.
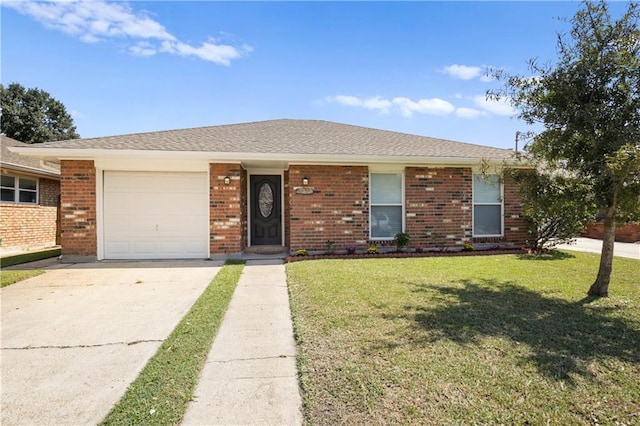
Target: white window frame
{"x": 501, "y": 204}
{"x": 16, "y": 189}
{"x": 401, "y": 205}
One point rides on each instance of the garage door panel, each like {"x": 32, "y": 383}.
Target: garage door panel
{"x": 155, "y": 215}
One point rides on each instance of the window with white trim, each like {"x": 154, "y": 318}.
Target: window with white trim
{"x": 386, "y": 206}
{"x": 16, "y": 189}
{"x": 487, "y": 206}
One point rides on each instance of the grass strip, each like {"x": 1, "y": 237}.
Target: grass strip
{"x": 11, "y": 277}
{"x": 510, "y": 339}
{"x": 162, "y": 391}
{"x": 29, "y": 257}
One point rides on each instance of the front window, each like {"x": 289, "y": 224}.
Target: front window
{"x": 487, "y": 206}
{"x": 19, "y": 189}
{"x": 386, "y": 205}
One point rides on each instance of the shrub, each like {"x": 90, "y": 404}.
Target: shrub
{"x": 351, "y": 248}
{"x": 301, "y": 252}
{"x": 467, "y": 247}
{"x": 401, "y": 240}
{"x": 330, "y": 244}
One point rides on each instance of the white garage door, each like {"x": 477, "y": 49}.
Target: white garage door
{"x": 149, "y": 215}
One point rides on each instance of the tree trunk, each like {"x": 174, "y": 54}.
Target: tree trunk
{"x": 600, "y": 288}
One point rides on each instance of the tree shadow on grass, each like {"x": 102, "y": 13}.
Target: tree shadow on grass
{"x": 551, "y": 255}
{"x": 563, "y": 336}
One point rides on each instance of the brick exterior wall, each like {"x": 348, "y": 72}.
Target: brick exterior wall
{"x": 438, "y": 205}
{"x": 28, "y": 226}
{"x": 438, "y": 208}
{"x": 625, "y": 233}
{"x": 228, "y": 209}
{"x": 337, "y": 210}
{"x": 286, "y": 203}
{"x": 78, "y": 208}
{"x": 515, "y": 226}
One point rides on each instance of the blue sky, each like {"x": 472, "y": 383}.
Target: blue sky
{"x": 418, "y": 67}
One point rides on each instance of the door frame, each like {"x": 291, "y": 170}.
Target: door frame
{"x": 261, "y": 172}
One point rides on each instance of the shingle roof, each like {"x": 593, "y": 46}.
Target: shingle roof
{"x": 286, "y": 136}
{"x": 11, "y": 159}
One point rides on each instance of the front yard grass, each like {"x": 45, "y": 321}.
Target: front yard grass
{"x": 11, "y": 277}
{"x": 162, "y": 391}
{"x": 509, "y": 339}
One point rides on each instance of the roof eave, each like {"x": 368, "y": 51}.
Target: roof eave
{"x": 31, "y": 170}
{"x": 56, "y": 154}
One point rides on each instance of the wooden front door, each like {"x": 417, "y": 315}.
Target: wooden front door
{"x": 266, "y": 211}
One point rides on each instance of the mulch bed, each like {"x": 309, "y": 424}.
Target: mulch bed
{"x": 394, "y": 254}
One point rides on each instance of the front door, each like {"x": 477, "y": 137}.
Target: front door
{"x": 266, "y": 219}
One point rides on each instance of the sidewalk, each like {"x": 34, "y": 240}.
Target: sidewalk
{"x": 250, "y": 376}
{"x": 590, "y": 245}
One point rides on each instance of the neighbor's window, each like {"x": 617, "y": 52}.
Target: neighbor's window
{"x": 19, "y": 189}
{"x": 386, "y": 205}
{"x": 487, "y": 206}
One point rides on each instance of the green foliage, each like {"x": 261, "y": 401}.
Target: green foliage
{"x": 401, "y": 240}
{"x": 29, "y": 257}
{"x": 33, "y": 115}
{"x": 330, "y": 246}
{"x": 301, "y": 252}
{"x": 557, "y": 206}
{"x": 467, "y": 247}
{"x": 589, "y": 103}
{"x": 12, "y": 277}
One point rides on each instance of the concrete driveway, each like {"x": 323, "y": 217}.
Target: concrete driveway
{"x": 74, "y": 338}
{"x": 590, "y": 245}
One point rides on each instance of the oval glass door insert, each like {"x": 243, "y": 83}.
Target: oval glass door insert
{"x": 265, "y": 199}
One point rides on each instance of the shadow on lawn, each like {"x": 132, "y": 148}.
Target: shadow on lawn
{"x": 562, "y": 336}
{"x": 551, "y": 255}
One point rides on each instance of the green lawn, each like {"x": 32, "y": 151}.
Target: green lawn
{"x": 162, "y": 391}
{"x": 508, "y": 339}
{"x": 29, "y": 257}
{"x": 11, "y": 277}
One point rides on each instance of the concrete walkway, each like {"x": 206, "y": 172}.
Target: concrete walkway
{"x": 590, "y": 245}
{"x": 250, "y": 376}
{"x": 75, "y": 337}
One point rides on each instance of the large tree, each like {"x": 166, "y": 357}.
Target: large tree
{"x": 33, "y": 115}
{"x": 589, "y": 104}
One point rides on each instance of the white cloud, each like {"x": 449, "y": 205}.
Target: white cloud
{"x": 462, "y": 72}
{"x": 143, "y": 48}
{"x": 501, "y": 107}
{"x": 434, "y": 106}
{"x": 99, "y": 21}
{"x": 207, "y": 51}
{"x": 374, "y": 103}
{"x": 404, "y": 106}
{"x": 469, "y": 112}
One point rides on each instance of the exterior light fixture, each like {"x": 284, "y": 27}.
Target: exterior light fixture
{"x": 227, "y": 180}
{"x": 305, "y": 181}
